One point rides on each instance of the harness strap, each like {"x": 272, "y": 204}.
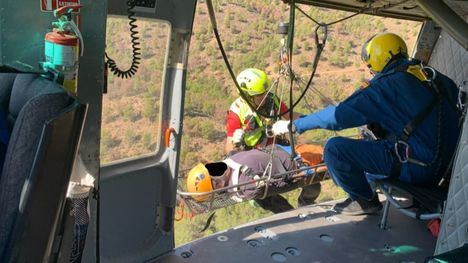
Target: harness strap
{"x": 420, "y": 117}
{"x": 237, "y": 169}
{"x": 416, "y": 121}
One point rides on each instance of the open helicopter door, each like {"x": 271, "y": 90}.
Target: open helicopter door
{"x": 140, "y": 131}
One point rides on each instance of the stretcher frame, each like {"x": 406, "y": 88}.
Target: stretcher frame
{"x": 231, "y": 195}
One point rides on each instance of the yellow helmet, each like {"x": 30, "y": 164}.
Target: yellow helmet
{"x": 199, "y": 181}
{"x": 380, "y": 49}
{"x": 253, "y": 81}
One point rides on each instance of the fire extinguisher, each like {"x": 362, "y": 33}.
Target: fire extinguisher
{"x": 62, "y": 47}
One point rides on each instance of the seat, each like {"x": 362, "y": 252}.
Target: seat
{"x": 428, "y": 200}
{"x": 46, "y": 125}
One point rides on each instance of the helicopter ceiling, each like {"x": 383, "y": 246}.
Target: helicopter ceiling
{"x": 450, "y": 15}
{"x": 393, "y": 8}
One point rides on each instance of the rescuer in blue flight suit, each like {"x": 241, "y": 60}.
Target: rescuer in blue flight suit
{"x": 415, "y": 108}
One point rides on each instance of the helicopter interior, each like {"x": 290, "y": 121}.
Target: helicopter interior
{"x": 131, "y": 197}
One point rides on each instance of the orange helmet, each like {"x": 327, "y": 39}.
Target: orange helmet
{"x": 204, "y": 178}
{"x": 199, "y": 181}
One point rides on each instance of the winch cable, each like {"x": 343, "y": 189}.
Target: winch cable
{"x": 228, "y": 65}
{"x": 214, "y": 25}
{"x": 292, "y": 20}
{"x": 322, "y": 96}
{"x": 320, "y": 45}
{"x": 317, "y": 55}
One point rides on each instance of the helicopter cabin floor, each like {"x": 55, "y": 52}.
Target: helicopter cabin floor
{"x": 313, "y": 234}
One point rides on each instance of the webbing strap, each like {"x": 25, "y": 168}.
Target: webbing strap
{"x": 422, "y": 115}
{"x": 237, "y": 169}
{"x": 416, "y": 121}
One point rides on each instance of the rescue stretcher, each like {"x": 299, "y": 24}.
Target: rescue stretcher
{"x": 233, "y": 194}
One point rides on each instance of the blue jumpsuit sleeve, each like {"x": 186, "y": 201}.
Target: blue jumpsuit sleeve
{"x": 349, "y": 113}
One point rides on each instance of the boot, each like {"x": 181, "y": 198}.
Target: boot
{"x": 359, "y": 206}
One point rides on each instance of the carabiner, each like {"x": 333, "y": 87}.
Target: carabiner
{"x": 433, "y": 74}
{"x": 405, "y": 158}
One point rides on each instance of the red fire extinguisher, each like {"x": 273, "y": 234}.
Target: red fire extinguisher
{"x": 62, "y": 47}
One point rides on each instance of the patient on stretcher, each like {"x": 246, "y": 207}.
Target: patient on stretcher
{"x": 245, "y": 174}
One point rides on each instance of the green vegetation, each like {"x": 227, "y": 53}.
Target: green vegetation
{"x": 131, "y": 106}
{"x": 247, "y": 29}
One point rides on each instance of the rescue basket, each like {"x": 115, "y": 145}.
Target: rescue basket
{"x": 199, "y": 203}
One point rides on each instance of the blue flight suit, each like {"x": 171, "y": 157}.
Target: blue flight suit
{"x": 392, "y": 100}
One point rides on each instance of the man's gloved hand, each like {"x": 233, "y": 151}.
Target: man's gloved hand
{"x": 238, "y": 136}
{"x": 280, "y": 127}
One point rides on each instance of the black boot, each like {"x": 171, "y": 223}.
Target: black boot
{"x": 360, "y": 206}
{"x": 275, "y": 203}
{"x": 309, "y": 194}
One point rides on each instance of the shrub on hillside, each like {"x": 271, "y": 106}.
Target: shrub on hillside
{"x": 150, "y": 109}
{"x": 108, "y": 141}
{"x": 129, "y": 113}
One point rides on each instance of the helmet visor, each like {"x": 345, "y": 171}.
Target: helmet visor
{"x": 365, "y": 56}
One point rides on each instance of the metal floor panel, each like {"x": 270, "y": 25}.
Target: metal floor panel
{"x": 313, "y": 234}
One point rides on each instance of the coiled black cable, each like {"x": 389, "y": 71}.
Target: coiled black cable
{"x": 111, "y": 64}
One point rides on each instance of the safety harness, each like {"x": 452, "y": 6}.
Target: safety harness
{"x": 401, "y": 150}
{"x": 237, "y": 169}
{"x": 251, "y": 122}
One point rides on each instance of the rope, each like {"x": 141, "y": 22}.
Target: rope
{"x": 292, "y": 20}
{"x": 320, "y": 45}
{"x": 233, "y": 77}
{"x": 180, "y": 211}
{"x": 209, "y": 5}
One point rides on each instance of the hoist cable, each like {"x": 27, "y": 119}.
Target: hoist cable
{"x": 320, "y": 46}
{"x": 211, "y": 12}
{"x": 292, "y": 20}
{"x": 231, "y": 73}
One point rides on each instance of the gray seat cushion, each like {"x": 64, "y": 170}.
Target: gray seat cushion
{"x": 34, "y": 100}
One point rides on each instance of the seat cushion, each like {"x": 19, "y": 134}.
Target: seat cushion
{"x": 34, "y": 101}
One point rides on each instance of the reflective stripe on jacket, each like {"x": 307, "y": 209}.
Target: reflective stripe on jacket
{"x": 252, "y": 124}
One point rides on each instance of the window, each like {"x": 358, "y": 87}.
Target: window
{"x": 131, "y": 107}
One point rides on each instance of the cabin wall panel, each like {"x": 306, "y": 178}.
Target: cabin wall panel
{"x": 451, "y": 59}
